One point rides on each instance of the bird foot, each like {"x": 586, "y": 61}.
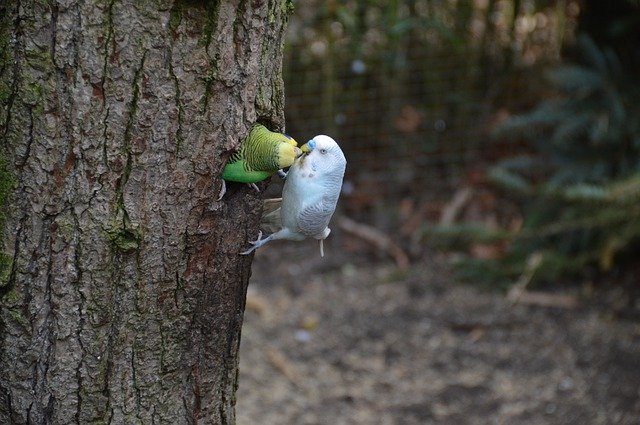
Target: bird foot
{"x": 256, "y": 244}
{"x": 253, "y": 185}
{"x": 282, "y": 173}
{"x": 223, "y": 190}
{"x": 325, "y": 233}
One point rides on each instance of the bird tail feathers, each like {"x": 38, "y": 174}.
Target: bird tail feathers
{"x": 271, "y": 222}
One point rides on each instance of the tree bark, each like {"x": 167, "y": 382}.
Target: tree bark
{"x": 121, "y": 288}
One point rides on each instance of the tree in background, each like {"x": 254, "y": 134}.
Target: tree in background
{"x": 121, "y": 290}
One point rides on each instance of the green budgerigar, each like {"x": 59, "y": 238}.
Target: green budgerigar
{"x": 262, "y": 154}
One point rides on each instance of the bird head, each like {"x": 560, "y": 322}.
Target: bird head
{"x": 289, "y": 140}
{"x": 324, "y": 155}
{"x": 287, "y": 154}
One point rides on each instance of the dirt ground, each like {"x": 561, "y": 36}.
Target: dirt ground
{"x": 339, "y": 341}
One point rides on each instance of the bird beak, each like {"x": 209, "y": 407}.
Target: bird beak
{"x": 298, "y": 152}
{"x": 308, "y": 147}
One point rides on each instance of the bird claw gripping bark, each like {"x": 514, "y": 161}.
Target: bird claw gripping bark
{"x": 223, "y": 189}
{"x": 256, "y": 244}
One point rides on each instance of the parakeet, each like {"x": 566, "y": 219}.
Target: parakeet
{"x": 262, "y": 154}
{"x": 310, "y": 193}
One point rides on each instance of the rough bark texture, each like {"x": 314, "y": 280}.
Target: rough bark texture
{"x": 121, "y": 289}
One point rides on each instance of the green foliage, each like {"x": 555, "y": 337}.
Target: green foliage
{"x": 580, "y": 186}
{"x": 463, "y": 234}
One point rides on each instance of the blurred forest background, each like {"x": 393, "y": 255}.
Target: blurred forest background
{"x": 503, "y": 134}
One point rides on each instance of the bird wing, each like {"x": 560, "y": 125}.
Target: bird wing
{"x": 237, "y": 172}
{"x": 314, "y": 218}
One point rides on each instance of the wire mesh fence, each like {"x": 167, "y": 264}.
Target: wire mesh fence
{"x": 412, "y": 88}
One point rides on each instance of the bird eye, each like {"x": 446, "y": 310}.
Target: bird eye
{"x": 323, "y": 151}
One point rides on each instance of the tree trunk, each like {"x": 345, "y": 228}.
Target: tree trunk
{"x": 121, "y": 288}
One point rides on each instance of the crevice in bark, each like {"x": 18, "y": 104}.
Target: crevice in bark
{"x": 123, "y": 234}
{"x": 240, "y": 30}
{"x": 81, "y": 319}
{"x": 44, "y": 337}
{"x": 179, "y": 137}
{"x": 222, "y": 411}
{"x": 177, "y": 290}
{"x": 175, "y": 18}
{"x": 135, "y": 382}
{"x": 11, "y": 280}
{"x": 109, "y": 39}
{"x": 185, "y": 405}
{"x": 133, "y": 108}
{"x": 67, "y": 89}
{"x": 210, "y": 26}
{"x": 103, "y": 80}
{"x": 197, "y": 399}
{"x": 114, "y": 320}
{"x": 27, "y": 151}
{"x": 153, "y": 415}
{"x": 47, "y": 412}
{"x": 105, "y": 138}
{"x": 5, "y": 403}
{"x": 16, "y": 40}
{"x": 53, "y": 5}
{"x": 77, "y": 34}
{"x": 176, "y": 84}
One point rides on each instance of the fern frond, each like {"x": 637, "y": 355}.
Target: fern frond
{"x": 509, "y": 180}
{"x": 573, "y": 78}
{"x": 533, "y": 124}
{"x": 592, "y": 55}
{"x": 626, "y": 191}
{"x": 522, "y": 163}
{"x": 585, "y": 193}
{"x": 466, "y": 233}
{"x": 573, "y": 127}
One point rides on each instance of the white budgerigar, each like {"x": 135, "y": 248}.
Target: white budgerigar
{"x": 310, "y": 193}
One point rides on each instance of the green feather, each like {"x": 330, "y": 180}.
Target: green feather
{"x": 237, "y": 172}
